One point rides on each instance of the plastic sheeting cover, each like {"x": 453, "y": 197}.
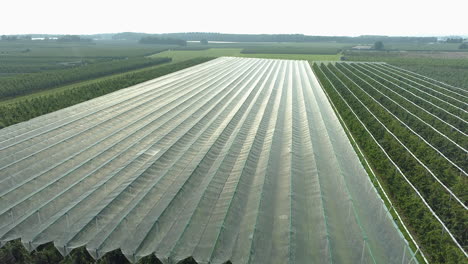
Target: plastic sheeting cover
{"x": 234, "y": 159}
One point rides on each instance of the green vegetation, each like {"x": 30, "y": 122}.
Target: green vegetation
{"x": 162, "y": 41}
{"x": 297, "y": 48}
{"x": 378, "y": 45}
{"x": 37, "y": 77}
{"x": 454, "y": 40}
{"x": 14, "y": 253}
{"x": 33, "y": 82}
{"x": 276, "y": 38}
{"x": 73, "y": 38}
{"x": 353, "y": 87}
{"x": 21, "y": 57}
{"x": 181, "y": 55}
{"x": 449, "y": 67}
{"x": 101, "y": 49}
{"x": 31, "y": 106}
{"x": 422, "y": 46}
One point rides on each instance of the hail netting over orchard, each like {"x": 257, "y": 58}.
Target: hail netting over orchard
{"x": 233, "y": 159}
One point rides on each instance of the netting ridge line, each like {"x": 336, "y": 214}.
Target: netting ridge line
{"x": 413, "y": 103}
{"x": 101, "y": 107}
{"x": 264, "y": 117}
{"x": 238, "y": 107}
{"x": 155, "y": 143}
{"x": 322, "y": 202}
{"x": 401, "y": 143}
{"x": 403, "y": 123}
{"x": 266, "y": 79}
{"x": 148, "y": 133}
{"x": 404, "y": 176}
{"x": 220, "y": 131}
{"x": 418, "y": 97}
{"x": 223, "y": 130}
{"x": 300, "y": 122}
{"x": 371, "y": 170}
{"x": 401, "y": 69}
{"x": 207, "y": 111}
{"x": 247, "y": 112}
{"x": 278, "y": 104}
{"x": 290, "y": 119}
{"x": 198, "y": 134}
{"x": 268, "y": 147}
{"x": 83, "y": 131}
{"x": 120, "y": 93}
{"x": 387, "y": 73}
{"x": 104, "y": 182}
{"x": 151, "y": 91}
{"x": 129, "y": 110}
{"x": 135, "y": 121}
{"x": 342, "y": 176}
{"x": 117, "y": 94}
{"x": 143, "y": 169}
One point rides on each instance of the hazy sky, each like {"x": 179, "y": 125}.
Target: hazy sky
{"x": 324, "y": 17}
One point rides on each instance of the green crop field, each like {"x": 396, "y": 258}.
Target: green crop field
{"x": 77, "y": 50}
{"x": 449, "y": 67}
{"x": 424, "y": 46}
{"x": 412, "y": 130}
{"x": 328, "y": 48}
{"x": 180, "y": 55}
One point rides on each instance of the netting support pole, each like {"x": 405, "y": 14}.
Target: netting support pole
{"x": 414, "y": 255}
{"x": 363, "y": 250}
{"x": 371, "y": 186}
{"x": 39, "y": 217}
{"x": 68, "y": 220}
{"x": 126, "y": 226}
{"x": 404, "y": 253}
{"x": 349, "y": 212}
{"x": 380, "y": 211}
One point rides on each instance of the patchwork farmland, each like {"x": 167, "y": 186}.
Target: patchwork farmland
{"x": 235, "y": 159}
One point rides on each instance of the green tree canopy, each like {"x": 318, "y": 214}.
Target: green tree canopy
{"x": 378, "y": 45}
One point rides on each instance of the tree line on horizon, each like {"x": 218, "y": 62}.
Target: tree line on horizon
{"x": 198, "y": 36}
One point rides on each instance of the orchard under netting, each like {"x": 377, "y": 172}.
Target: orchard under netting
{"x": 236, "y": 159}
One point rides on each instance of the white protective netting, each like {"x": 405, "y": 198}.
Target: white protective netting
{"x": 234, "y": 159}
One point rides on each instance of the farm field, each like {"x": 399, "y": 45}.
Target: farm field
{"x": 449, "y": 67}
{"x": 23, "y": 108}
{"x": 38, "y": 77}
{"x": 424, "y": 46}
{"x": 180, "y": 55}
{"x": 238, "y": 159}
{"x": 411, "y": 129}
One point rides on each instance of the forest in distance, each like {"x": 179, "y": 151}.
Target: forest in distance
{"x": 403, "y": 101}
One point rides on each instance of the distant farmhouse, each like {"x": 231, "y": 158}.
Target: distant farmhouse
{"x": 362, "y": 47}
